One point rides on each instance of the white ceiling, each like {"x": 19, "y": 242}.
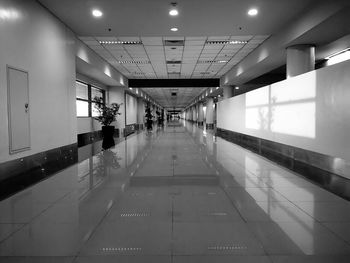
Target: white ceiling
{"x": 196, "y": 17}
{"x": 198, "y": 21}
{"x": 149, "y": 59}
{"x": 183, "y": 98}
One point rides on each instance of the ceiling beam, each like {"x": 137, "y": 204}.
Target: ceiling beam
{"x": 170, "y": 83}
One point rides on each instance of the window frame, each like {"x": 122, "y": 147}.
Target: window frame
{"x": 90, "y": 100}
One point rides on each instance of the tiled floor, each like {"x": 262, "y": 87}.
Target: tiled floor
{"x": 175, "y": 195}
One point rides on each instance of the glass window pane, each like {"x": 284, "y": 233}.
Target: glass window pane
{"x": 94, "y": 112}
{"x": 96, "y": 93}
{"x": 82, "y": 108}
{"x": 82, "y": 90}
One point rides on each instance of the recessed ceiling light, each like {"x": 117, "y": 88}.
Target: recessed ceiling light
{"x": 97, "y": 13}
{"x": 173, "y": 12}
{"x": 253, "y": 12}
{"x": 236, "y": 87}
{"x": 174, "y": 29}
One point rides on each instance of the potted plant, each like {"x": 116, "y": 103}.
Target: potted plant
{"x": 149, "y": 117}
{"x": 106, "y": 115}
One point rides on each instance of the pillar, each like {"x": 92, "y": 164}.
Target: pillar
{"x": 200, "y": 114}
{"x": 140, "y": 113}
{"x": 228, "y": 92}
{"x": 300, "y": 59}
{"x": 194, "y": 113}
{"x": 210, "y": 114}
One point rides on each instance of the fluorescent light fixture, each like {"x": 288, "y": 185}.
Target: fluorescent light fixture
{"x": 253, "y": 12}
{"x": 132, "y": 62}
{"x": 97, "y": 13}
{"x": 174, "y": 29}
{"x": 222, "y": 61}
{"x": 338, "y": 57}
{"x": 120, "y": 42}
{"x": 236, "y": 87}
{"x": 237, "y": 42}
{"x": 225, "y": 42}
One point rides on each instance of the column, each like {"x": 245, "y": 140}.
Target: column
{"x": 140, "y": 113}
{"x": 300, "y": 59}
{"x": 200, "y": 114}
{"x": 210, "y": 114}
{"x": 194, "y": 113}
{"x": 227, "y": 92}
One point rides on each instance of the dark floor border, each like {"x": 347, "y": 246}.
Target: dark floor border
{"x": 326, "y": 171}
{"x": 18, "y": 174}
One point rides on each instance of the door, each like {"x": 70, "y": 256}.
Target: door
{"x": 18, "y": 110}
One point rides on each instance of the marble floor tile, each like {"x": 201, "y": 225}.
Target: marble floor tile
{"x": 301, "y": 238}
{"x": 7, "y": 230}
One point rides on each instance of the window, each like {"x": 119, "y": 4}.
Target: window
{"x": 85, "y": 99}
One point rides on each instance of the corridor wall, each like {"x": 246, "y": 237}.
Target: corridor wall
{"x": 309, "y": 111}
{"x": 35, "y": 41}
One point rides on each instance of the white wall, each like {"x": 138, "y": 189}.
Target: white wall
{"x": 33, "y": 40}
{"x": 310, "y": 111}
{"x": 131, "y": 109}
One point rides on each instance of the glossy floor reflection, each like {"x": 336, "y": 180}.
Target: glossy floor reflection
{"x": 177, "y": 194}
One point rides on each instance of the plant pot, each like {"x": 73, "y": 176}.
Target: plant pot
{"x": 108, "y": 139}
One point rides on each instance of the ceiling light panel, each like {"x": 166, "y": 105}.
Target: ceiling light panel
{"x": 190, "y": 50}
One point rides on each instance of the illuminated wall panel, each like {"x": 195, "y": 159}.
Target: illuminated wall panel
{"x": 294, "y": 119}
{"x": 309, "y": 111}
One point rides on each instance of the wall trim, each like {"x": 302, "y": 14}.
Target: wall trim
{"x": 18, "y": 174}
{"x": 327, "y": 171}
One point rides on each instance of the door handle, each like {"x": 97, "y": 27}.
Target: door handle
{"x": 26, "y": 107}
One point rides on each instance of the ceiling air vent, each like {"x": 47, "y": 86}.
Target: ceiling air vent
{"x": 174, "y": 42}
{"x": 173, "y": 61}
{"x": 173, "y": 94}
{"x": 206, "y": 61}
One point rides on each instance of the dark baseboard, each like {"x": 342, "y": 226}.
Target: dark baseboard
{"x": 209, "y": 125}
{"x": 91, "y": 137}
{"x": 18, "y": 174}
{"x": 316, "y": 167}
{"x": 130, "y": 129}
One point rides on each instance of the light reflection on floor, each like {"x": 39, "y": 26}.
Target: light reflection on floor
{"x": 176, "y": 194}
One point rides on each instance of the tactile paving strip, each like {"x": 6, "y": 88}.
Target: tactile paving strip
{"x": 230, "y": 247}
{"x": 121, "y": 249}
{"x": 135, "y": 215}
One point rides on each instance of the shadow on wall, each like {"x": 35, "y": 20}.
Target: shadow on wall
{"x": 287, "y": 108}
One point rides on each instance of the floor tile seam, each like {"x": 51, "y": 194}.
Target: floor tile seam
{"x": 256, "y": 238}
{"x": 320, "y": 223}
{"x": 12, "y": 233}
{"x": 278, "y": 165}
{"x": 25, "y": 224}
{"x": 94, "y": 230}
{"x": 336, "y": 234}
{"x": 300, "y": 208}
